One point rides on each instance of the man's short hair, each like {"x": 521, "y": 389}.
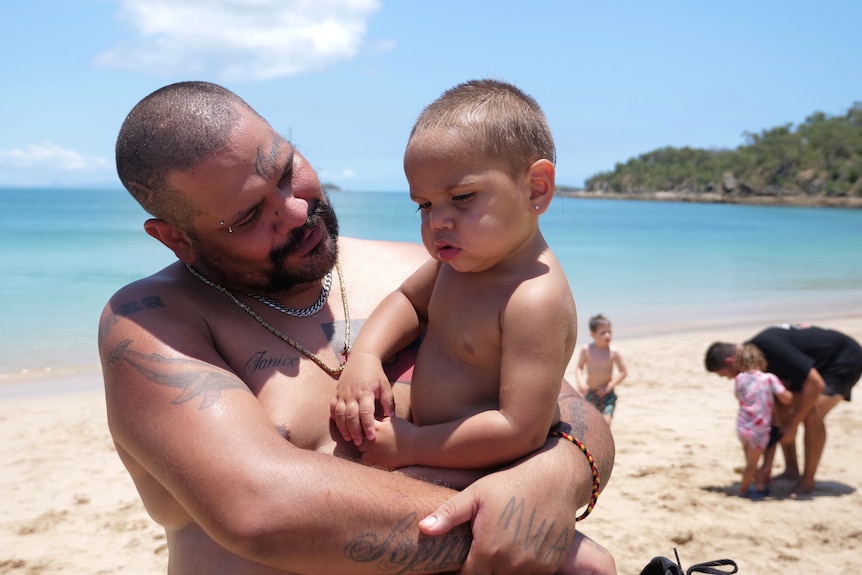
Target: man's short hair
{"x": 717, "y": 353}
{"x": 173, "y": 129}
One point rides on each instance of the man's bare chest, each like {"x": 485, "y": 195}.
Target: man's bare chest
{"x": 292, "y": 389}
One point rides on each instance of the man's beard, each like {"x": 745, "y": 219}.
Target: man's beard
{"x": 313, "y": 266}
{"x": 316, "y": 263}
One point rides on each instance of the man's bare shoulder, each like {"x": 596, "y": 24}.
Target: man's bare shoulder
{"x": 168, "y": 280}
{"x": 158, "y": 303}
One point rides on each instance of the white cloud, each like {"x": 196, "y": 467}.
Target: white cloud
{"x": 239, "y": 40}
{"x": 49, "y": 164}
{"x": 51, "y": 157}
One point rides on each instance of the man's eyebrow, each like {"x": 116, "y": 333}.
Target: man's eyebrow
{"x": 288, "y": 164}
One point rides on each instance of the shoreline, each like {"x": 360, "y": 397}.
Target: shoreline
{"x": 717, "y": 198}
{"x": 50, "y": 382}
{"x": 82, "y": 378}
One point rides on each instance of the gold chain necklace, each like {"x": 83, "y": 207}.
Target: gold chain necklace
{"x": 333, "y": 371}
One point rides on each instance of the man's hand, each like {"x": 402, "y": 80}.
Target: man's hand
{"x": 518, "y": 524}
{"x": 545, "y": 553}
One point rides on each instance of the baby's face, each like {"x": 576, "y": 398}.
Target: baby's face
{"x": 474, "y": 212}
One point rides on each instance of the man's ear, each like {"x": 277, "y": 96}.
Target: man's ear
{"x": 174, "y": 238}
{"x": 542, "y": 185}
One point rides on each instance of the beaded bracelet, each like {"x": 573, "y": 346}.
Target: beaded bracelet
{"x": 596, "y": 482}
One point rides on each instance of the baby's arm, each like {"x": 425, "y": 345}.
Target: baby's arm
{"x": 537, "y": 342}
{"x": 393, "y": 325}
{"x": 782, "y": 394}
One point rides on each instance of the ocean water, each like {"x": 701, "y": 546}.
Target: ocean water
{"x": 651, "y": 267}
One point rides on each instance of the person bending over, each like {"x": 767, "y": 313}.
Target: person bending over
{"x": 820, "y": 366}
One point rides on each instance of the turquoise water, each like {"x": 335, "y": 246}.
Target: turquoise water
{"x": 649, "y": 266}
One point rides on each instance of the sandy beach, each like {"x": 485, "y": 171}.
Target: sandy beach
{"x": 70, "y": 508}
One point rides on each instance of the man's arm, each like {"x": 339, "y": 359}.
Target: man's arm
{"x": 511, "y": 507}
{"x": 202, "y": 449}
{"x": 580, "y": 419}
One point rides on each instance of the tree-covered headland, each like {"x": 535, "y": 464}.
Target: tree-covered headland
{"x": 817, "y": 161}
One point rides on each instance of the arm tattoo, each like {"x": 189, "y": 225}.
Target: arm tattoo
{"x": 192, "y": 377}
{"x": 532, "y": 534}
{"x": 573, "y": 419}
{"x": 398, "y": 552}
{"x": 127, "y": 309}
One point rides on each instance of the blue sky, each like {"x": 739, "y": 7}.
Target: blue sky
{"x": 345, "y": 79}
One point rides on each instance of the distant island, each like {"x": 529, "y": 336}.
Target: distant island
{"x": 817, "y": 163}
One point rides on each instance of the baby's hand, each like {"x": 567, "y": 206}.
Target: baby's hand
{"x": 361, "y": 384}
{"x": 391, "y": 447}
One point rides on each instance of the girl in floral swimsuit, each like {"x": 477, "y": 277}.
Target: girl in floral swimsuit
{"x": 756, "y": 391}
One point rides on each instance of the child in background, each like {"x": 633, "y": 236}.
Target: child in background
{"x": 494, "y": 304}
{"x": 598, "y": 360}
{"x": 756, "y": 392}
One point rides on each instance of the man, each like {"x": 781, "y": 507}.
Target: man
{"x": 820, "y": 366}
{"x": 218, "y": 401}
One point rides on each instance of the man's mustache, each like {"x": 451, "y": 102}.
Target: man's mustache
{"x": 315, "y": 215}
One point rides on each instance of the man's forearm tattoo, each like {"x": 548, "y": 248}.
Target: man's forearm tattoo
{"x": 398, "y": 552}
{"x": 533, "y": 534}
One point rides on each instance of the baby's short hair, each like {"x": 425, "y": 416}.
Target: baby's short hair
{"x": 503, "y": 122}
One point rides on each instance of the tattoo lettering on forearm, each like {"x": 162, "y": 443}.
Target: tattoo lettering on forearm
{"x": 399, "y": 553}
{"x": 129, "y": 308}
{"x": 534, "y": 535}
{"x": 194, "y": 378}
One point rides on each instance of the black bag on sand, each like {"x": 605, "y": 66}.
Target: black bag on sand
{"x": 665, "y": 566}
